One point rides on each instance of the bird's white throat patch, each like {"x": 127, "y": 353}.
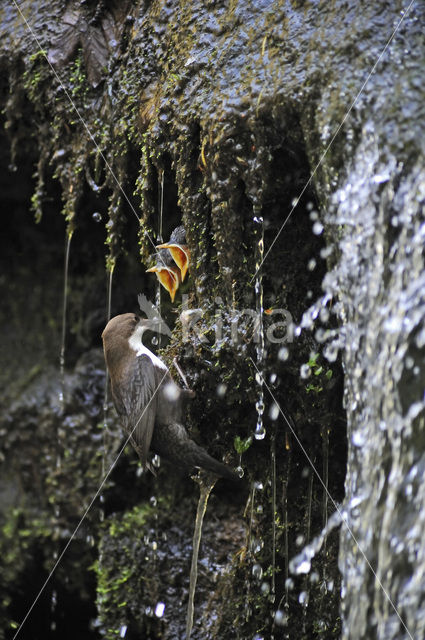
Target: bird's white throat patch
{"x": 135, "y": 343}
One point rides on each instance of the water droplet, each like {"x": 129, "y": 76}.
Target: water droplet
{"x": 156, "y": 461}
{"x": 154, "y": 340}
{"x": 311, "y": 265}
{"x": 317, "y": 228}
{"x": 256, "y": 545}
{"x": 273, "y": 378}
{"x": 257, "y": 571}
{"x": 409, "y": 362}
{"x": 154, "y": 545}
{"x": 153, "y": 501}
{"x": 274, "y": 412}
{"x": 280, "y": 619}
{"x": 240, "y": 472}
{"x": 12, "y": 168}
{"x": 305, "y": 371}
{"x": 258, "y": 485}
{"x": 260, "y": 432}
{"x": 221, "y": 390}
{"x": 358, "y": 439}
{"x": 123, "y": 631}
{"x": 259, "y": 405}
{"x": 265, "y": 588}
{"x": 283, "y": 354}
{"x": 97, "y": 217}
{"x": 303, "y": 598}
{"x": 259, "y": 508}
{"x": 299, "y": 540}
{"x": 171, "y": 391}
{"x": 331, "y": 351}
{"x": 159, "y": 609}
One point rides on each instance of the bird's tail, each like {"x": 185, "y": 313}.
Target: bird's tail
{"x": 172, "y": 442}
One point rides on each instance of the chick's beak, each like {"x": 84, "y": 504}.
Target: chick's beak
{"x": 180, "y": 255}
{"x": 168, "y": 277}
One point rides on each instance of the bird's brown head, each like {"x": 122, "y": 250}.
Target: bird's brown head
{"x": 116, "y": 336}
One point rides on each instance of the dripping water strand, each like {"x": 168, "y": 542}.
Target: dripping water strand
{"x": 281, "y": 616}
{"x": 105, "y": 429}
{"x": 68, "y": 237}
{"x": 108, "y": 317}
{"x": 56, "y": 506}
{"x": 325, "y": 449}
{"x": 206, "y": 484}
{"x": 259, "y": 336}
{"x": 306, "y": 583}
{"x": 274, "y": 515}
{"x": 250, "y": 546}
{"x": 156, "y": 339}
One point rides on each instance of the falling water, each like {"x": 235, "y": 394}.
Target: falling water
{"x": 156, "y": 339}
{"x": 105, "y": 429}
{"x": 325, "y": 450}
{"x": 260, "y": 431}
{"x": 281, "y": 613}
{"x": 274, "y": 516}
{"x": 206, "y": 484}
{"x": 56, "y": 507}
{"x": 68, "y": 238}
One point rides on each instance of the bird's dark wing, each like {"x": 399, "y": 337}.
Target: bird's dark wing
{"x": 138, "y": 405}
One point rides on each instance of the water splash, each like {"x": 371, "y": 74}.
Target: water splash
{"x": 301, "y": 563}
{"x": 206, "y": 483}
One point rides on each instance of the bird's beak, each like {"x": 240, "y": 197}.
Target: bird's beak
{"x": 168, "y": 277}
{"x": 180, "y": 255}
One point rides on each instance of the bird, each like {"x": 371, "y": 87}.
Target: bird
{"x": 167, "y": 272}
{"x": 178, "y": 249}
{"x": 148, "y": 402}
{"x": 172, "y": 261}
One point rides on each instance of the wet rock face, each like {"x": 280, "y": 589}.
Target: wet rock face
{"x": 234, "y": 106}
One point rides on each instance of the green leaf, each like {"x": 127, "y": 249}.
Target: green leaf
{"x": 241, "y": 445}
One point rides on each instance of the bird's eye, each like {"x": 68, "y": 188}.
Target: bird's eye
{"x": 136, "y": 319}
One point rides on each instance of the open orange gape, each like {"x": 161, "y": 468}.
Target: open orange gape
{"x": 173, "y": 261}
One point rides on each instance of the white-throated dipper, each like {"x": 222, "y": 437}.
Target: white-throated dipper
{"x": 147, "y": 400}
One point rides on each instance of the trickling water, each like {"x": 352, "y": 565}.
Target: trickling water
{"x": 281, "y": 614}
{"x": 325, "y": 453}
{"x": 68, "y": 238}
{"x": 206, "y": 484}
{"x": 105, "y": 424}
{"x": 159, "y": 241}
{"x": 260, "y": 431}
{"x": 274, "y": 516}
